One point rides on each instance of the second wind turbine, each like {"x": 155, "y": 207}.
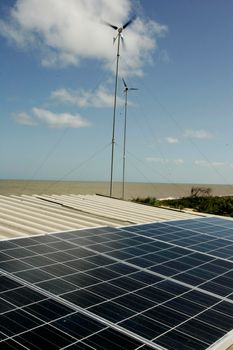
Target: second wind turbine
{"x": 125, "y": 127}
{"x": 118, "y": 38}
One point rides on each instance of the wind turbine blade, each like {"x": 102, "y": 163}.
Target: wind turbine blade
{"x": 110, "y": 25}
{"x": 133, "y": 89}
{"x": 129, "y": 22}
{"x": 122, "y": 42}
{"x": 124, "y": 83}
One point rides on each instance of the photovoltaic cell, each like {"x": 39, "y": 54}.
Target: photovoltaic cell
{"x": 98, "y": 288}
{"x": 35, "y": 321}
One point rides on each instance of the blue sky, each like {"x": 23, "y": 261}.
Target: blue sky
{"x": 57, "y": 64}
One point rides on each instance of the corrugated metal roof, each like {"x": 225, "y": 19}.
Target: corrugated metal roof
{"x": 27, "y": 215}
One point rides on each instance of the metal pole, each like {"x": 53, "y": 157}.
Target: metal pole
{"x": 114, "y": 109}
{"x": 124, "y": 148}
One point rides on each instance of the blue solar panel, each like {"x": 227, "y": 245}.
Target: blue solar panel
{"x": 136, "y": 286}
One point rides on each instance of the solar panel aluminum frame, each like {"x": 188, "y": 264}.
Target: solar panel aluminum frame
{"x": 223, "y": 343}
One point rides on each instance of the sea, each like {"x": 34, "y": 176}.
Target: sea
{"x": 132, "y": 189}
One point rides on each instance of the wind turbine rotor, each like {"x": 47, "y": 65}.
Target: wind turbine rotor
{"x": 120, "y": 29}
{"x": 126, "y": 86}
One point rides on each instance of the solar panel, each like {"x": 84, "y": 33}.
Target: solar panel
{"x": 98, "y": 288}
{"x": 30, "y": 319}
{"x": 201, "y": 235}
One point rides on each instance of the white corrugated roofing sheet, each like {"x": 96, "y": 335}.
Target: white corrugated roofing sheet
{"x": 27, "y": 215}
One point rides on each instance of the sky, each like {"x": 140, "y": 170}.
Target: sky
{"x": 57, "y": 73}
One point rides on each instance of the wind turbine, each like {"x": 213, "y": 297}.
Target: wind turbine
{"x": 118, "y": 38}
{"x": 125, "y": 126}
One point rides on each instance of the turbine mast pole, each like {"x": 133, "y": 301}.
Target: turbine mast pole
{"x": 124, "y": 149}
{"x": 114, "y": 108}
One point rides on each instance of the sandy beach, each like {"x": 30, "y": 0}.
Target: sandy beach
{"x": 132, "y": 190}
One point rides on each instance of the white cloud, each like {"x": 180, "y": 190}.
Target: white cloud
{"x": 24, "y": 118}
{"x": 60, "y": 120}
{"x": 218, "y": 164}
{"x": 99, "y": 98}
{"x": 171, "y": 140}
{"x": 51, "y": 119}
{"x": 209, "y": 164}
{"x": 67, "y": 31}
{"x": 178, "y": 161}
{"x": 197, "y": 134}
{"x": 201, "y": 162}
{"x": 165, "y": 161}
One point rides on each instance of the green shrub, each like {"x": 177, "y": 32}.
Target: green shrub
{"x": 205, "y": 204}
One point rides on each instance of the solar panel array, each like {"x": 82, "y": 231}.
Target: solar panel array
{"x": 156, "y": 286}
